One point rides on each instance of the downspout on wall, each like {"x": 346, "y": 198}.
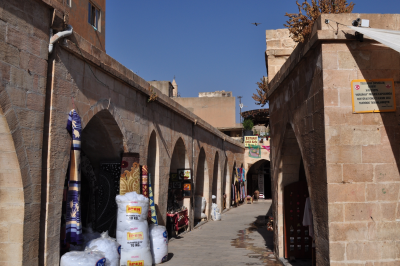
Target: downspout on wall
{"x": 58, "y": 36}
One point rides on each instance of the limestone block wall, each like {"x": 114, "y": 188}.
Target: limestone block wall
{"x": 362, "y": 155}
{"x": 24, "y": 27}
{"x": 279, "y": 48}
{"x": 297, "y": 133}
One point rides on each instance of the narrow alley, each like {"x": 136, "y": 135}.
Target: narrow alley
{"x": 240, "y": 238}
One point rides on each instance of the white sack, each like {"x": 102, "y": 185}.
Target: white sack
{"x": 203, "y": 216}
{"x": 131, "y": 211}
{"x": 198, "y": 202}
{"x": 135, "y": 237}
{"x": 109, "y": 246}
{"x": 88, "y": 257}
{"x": 139, "y": 256}
{"x": 203, "y": 204}
{"x": 159, "y": 243}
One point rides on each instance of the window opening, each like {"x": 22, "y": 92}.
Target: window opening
{"x": 94, "y": 16}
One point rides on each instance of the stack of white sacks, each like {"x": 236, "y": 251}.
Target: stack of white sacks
{"x": 133, "y": 229}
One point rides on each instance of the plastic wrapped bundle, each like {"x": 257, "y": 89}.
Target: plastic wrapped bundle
{"x": 89, "y": 257}
{"x": 198, "y": 210}
{"x": 140, "y": 257}
{"x": 135, "y": 237}
{"x": 203, "y": 204}
{"x": 132, "y": 207}
{"x": 109, "y": 246}
{"x": 215, "y": 212}
{"x": 159, "y": 243}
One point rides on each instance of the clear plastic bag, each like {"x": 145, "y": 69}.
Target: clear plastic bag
{"x": 159, "y": 243}
{"x": 88, "y": 257}
{"x": 109, "y": 246}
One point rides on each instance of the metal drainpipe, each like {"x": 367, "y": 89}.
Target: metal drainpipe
{"x": 59, "y": 35}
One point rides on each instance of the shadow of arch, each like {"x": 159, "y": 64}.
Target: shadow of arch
{"x": 225, "y": 184}
{"x": 290, "y": 170}
{"x": 102, "y": 147}
{"x": 153, "y": 155}
{"x": 216, "y": 180}
{"x": 202, "y": 183}
{"x": 231, "y": 189}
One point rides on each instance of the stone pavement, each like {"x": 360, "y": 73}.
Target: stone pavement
{"x": 240, "y": 238}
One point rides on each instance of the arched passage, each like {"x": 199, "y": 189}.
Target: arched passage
{"x": 101, "y": 150}
{"x": 225, "y": 185}
{"x": 259, "y": 170}
{"x": 154, "y": 168}
{"x": 292, "y": 181}
{"x": 216, "y": 183}
{"x": 11, "y": 199}
{"x": 202, "y": 184}
{"x": 179, "y": 160}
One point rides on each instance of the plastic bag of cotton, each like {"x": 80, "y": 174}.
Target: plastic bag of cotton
{"x": 109, "y": 246}
{"x": 88, "y": 257}
{"x": 159, "y": 243}
{"x": 133, "y": 229}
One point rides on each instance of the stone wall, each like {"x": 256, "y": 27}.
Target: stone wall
{"x": 351, "y": 160}
{"x": 24, "y": 35}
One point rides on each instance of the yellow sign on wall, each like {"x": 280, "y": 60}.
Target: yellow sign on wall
{"x": 250, "y": 141}
{"x": 373, "y": 95}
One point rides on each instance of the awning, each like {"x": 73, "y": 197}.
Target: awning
{"x": 390, "y": 38}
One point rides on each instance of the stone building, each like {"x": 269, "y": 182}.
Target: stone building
{"x": 348, "y": 160}
{"x": 38, "y": 89}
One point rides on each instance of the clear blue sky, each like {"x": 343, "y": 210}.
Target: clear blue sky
{"x": 208, "y": 45}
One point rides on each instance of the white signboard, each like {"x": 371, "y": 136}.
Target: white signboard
{"x": 370, "y": 96}
{"x": 250, "y": 141}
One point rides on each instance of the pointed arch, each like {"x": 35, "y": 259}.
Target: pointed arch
{"x": 216, "y": 180}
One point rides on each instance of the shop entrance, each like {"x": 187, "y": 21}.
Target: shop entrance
{"x": 259, "y": 179}
{"x": 101, "y": 149}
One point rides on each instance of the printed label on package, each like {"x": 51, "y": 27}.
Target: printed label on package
{"x": 135, "y": 239}
{"x": 101, "y": 262}
{"x": 133, "y": 212}
{"x": 136, "y": 263}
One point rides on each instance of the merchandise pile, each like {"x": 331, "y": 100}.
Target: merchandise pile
{"x": 133, "y": 229}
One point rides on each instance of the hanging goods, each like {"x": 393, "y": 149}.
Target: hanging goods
{"x": 130, "y": 174}
{"x": 73, "y": 214}
{"x": 152, "y": 213}
{"x": 255, "y": 151}
{"x": 145, "y": 187}
{"x": 159, "y": 243}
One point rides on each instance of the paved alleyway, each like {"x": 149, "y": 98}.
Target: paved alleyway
{"x": 240, "y": 238}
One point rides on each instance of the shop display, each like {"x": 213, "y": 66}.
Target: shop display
{"x": 109, "y": 246}
{"x": 130, "y": 173}
{"x": 73, "y": 211}
{"x": 184, "y": 174}
{"x": 89, "y": 257}
{"x": 152, "y": 212}
{"x": 176, "y": 221}
{"x": 132, "y": 229}
{"x": 145, "y": 187}
{"x": 159, "y": 243}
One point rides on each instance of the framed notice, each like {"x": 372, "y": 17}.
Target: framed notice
{"x": 373, "y": 95}
{"x": 250, "y": 141}
{"x": 184, "y": 174}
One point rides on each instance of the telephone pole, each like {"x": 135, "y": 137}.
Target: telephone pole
{"x": 240, "y": 107}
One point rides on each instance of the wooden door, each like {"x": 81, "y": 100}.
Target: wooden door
{"x": 298, "y": 243}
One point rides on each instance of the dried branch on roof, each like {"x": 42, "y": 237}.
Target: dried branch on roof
{"x": 300, "y": 25}
{"x": 261, "y": 97}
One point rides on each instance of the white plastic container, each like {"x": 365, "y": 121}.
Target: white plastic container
{"x": 88, "y": 257}
{"x": 159, "y": 243}
{"x": 109, "y": 246}
{"x": 140, "y": 257}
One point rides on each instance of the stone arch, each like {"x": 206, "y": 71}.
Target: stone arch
{"x": 202, "y": 182}
{"x": 216, "y": 180}
{"x": 232, "y": 178}
{"x": 107, "y": 105}
{"x": 12, "y": 199}
{"x": 259, "y": 167}
{"x": 102, "y": 147}
{"x": 290, "y": 168}
{"x": 153, "y": 165}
